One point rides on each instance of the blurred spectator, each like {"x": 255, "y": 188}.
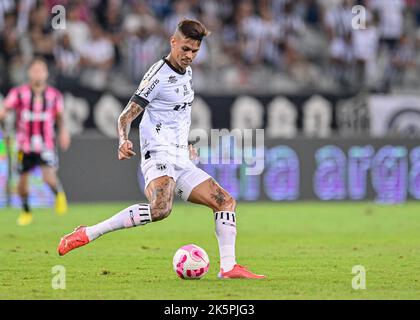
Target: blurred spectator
{"x": 291, "y": 23}
{"x": 24, "y": 8}
{"x": 140, "y": 15}
{"x": 111, "y": 23}
{"x": 40, "y": 31}
{"x": 296, "y": 44}
{"x": 292, "y": 28}
{"x": 160, "y": 8}
{"x": 342, "y": 60}
{"x": 67, "y": 60}
{"x": 249, "y": 29}
{"x": 76, "y": 28}
{"x": 6, "y": 7}
{"x": 144, "y": 47}
{"x": 10, "y": 53}
{"x": 391, "y": 20}
{"x": 337, "y": 24}
{"x": 313, "y": 14}
{"x": 97, "y": 57}
{"x": 9, "y": 43}
{"x": 365, "y": 48}
{"x": 403, "y": 58}
{"x": 338, "y": 19}
{"x": 270, "y": 38}
{"x": 182, "y": 10}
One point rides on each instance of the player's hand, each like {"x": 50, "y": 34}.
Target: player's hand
{"x": 64, "y": 139}
{"x": 125, "y": 150}
{"x": 193, "y": 152}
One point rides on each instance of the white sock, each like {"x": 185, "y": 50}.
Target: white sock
{"x": 226, "y": 236}
{"x": 135, "y": 215}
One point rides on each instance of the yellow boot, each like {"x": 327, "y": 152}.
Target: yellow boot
{"x": 25, "y": 218}
{"x": 61, "y": 203}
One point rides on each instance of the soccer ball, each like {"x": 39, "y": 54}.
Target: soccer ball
{"x": 191, "y": 262}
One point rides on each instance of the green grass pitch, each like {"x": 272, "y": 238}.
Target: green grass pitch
{"x": 307, "y": 251}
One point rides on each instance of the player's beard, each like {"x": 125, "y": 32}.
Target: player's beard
{"x": 185, "y": 63}
{"x": 186, "y": 60}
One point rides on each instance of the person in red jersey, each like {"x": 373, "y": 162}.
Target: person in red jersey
{"x": 166, "y": 95}
{"x": 39, "y": 110}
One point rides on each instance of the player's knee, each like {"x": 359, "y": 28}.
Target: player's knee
{"x": 50, "y": 182}
{"x": 228, "y": 204}
{"x": 231, "y": 204}
{"x": 22, "y": 189}
{"x": 160, "y": 212}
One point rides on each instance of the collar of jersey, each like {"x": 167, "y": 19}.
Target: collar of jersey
{"x": 172, "y": 67}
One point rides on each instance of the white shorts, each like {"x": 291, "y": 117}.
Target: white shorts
{"x": 185, "y": 173}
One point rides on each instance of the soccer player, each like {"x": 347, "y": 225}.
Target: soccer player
{"x": 39, "y": 108}
{"x": 165, "y": 95}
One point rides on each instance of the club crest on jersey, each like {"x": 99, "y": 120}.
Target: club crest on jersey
{"x": 160, "y": 166}
{"x": 172, "y": 79}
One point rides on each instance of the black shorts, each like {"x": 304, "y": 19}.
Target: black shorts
{"x": 27, "y": 161}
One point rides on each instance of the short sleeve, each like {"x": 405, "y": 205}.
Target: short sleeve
{"x": 12, "y": 99}
{"x": 149, "y": 86}
{"x": 147, "y": 91}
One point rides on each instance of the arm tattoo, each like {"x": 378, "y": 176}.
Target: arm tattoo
{"x": 130, "y": 112}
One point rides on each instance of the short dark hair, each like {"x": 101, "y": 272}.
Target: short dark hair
{"x": 192, "y": 29}
{"x": 38, "y": 59}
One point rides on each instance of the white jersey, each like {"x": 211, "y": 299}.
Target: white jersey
{"x": 167, "y": 96}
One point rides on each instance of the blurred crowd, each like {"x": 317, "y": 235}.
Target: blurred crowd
{"x": 262, "y": 46}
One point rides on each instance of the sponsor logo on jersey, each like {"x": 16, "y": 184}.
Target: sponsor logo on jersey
{"x": 186, "y": 91}
{"x": 160, "y": 166}
{"x": 172, "y": 79}
{"x": 182, "y": 106}
{"x": 35, "y": 116}
{"x": 151, "y": 87}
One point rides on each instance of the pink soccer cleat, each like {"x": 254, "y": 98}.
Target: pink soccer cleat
{"x": 73, "y": 240}
{"x": 239, "y": 272}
